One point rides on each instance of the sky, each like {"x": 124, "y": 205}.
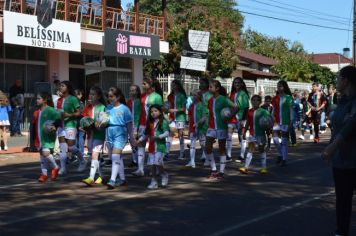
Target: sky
{"x": 329, "y": 13}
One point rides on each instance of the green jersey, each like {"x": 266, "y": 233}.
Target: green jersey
{"x": 196, "y": 112}
{"x": 281, "y": 109}
{"x": 177, "y": 102}
{"x": 155, "y": 131}
{"x": 206, "y": 97}
{"x": 47, "y": 139}
{"x": 253, "y": 121}
{"x": 215, "y": 105}
{"x": 69, "y": 105}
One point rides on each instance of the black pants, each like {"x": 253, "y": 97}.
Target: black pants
{"x": 345, "y": 183}
{"x": 316, "y": 121}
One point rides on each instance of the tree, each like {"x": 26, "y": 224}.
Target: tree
{"x": 294, "y": 62}
{"x": 219, "y": 17}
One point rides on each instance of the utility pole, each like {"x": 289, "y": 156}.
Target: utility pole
{"x": 354, "y": 37}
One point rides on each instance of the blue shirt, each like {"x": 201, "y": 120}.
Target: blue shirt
{"x": 119, "y": 116}
{"x": 4, "y": 110}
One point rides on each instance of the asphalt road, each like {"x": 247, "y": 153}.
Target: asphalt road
{"x": 294, "y": 200}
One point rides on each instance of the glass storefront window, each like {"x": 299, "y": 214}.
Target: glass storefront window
{"x": 92, "y": 60}
{"x": 76, "y": 77}
{"x": 36, "y": 54}
{"x": 109, "y": 79}
{"x": 15, "y": 52}
{"x": 124, "y": 62}
{"x": 110, "y": 62}
{"x": 35, "y": 73}
{"x": 14, "y": 72}
{"x": 75, "y": 58}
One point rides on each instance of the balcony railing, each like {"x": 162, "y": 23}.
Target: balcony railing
{"x": 90, "y": 15}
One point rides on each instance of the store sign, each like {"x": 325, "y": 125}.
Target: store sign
{"x": 195, "y": 50}
{"x": 26, "y": 30}
{"x": 127, "y": 44}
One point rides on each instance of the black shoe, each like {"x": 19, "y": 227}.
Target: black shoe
{"x": 108, "y": 162}
{"x": 133, "y": 164}
{"x": 279, "y": 160}
{"x": 283, "y": 163}
{"x": 188, "y": 146}
{"x": 228, "y": 159}
{"x": 165, "y": 158}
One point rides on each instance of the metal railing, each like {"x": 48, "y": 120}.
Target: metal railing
{"x": 90, "y": 15}
{"x": 261, "y": 86}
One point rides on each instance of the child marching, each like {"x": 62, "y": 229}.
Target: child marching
{"x": 134, "y": 104}
{"x": 48, "y": 120}
{"x": 206, "y": 95}
{"x": 258, "y": 122}
{"x": 217, "y": 128}
{"x": 119, "y": 129}
{"x": 177, "y": 100}
{"x": 239, "y": 96}
{"x": 198, "y": 124}
{"x": 157, "y": 130}
{"x": 152, "y": 96}
{"x": 69, "y": 106}
{"x": 282, "y": 113}
{"x": 97, "y": 134}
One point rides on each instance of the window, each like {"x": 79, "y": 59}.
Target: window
{"x": 36, "y": 54}
{"x": 15, "y": 52}
{"x": 35, "y": 73}
{"x": 75, "y": 58}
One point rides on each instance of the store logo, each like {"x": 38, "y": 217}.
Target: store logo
{"x": 44, "y": 13}
{"x": 121, "y": 46}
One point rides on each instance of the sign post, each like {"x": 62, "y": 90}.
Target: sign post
{"x": 195, "y": 50}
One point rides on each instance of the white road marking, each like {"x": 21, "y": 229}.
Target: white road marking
{"x": 269, "y": 215}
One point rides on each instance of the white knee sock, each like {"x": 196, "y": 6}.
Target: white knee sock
{"x": 284, "y": 148}
{"x": 141, "y": 158}
{"x": 263, "y": 159}
{"x": 248, "y": 159}
{"x": 52, "y": 161}
{"x": 210, "y": 156}
{"x": 192, "y": 150}
{"x": 243, "y": 148}
{"x": 121, "y": 170}
{"x": 222, "y": 163}
{"x": 278, "y": 145}
{"x": 94, "y": 166}
{"x": 181, "y": 144}
{"x": 63, "y": 147}
{"x": 43, "y": 161}
{"x": 229, "y": 144}
{"x": 115, "y": 166}
{"x": 169, "y": 144}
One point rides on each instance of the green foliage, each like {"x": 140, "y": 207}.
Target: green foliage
{"x": 219, "y": 17}
{"x": 294, "y": 62}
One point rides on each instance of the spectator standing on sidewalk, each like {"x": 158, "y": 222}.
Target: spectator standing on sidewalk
{"x": 5, "y": 108}
{"x": 16, "y": 93}
{"x": 342, "y": 149}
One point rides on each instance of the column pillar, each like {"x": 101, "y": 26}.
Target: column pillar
{"x": 137, "y": 71}
{"x": 58, "y": 65}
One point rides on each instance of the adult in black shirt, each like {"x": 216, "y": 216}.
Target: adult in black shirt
{"x": 16, "y": 94}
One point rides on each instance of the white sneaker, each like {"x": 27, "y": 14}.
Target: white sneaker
{"x": 181, "y": 156}
{"x": 164, "y": 180}
{"x": 190, "y": 164}
{"x": 138, "y": 173}
{"x": 311, "y": 137}
{"x": 153, "y": 184}
{"x": 62, "y": 172}
{"x": 82, "y": 166}
{"x": 301, "y": 137}
{"x": 5, "y": 148}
